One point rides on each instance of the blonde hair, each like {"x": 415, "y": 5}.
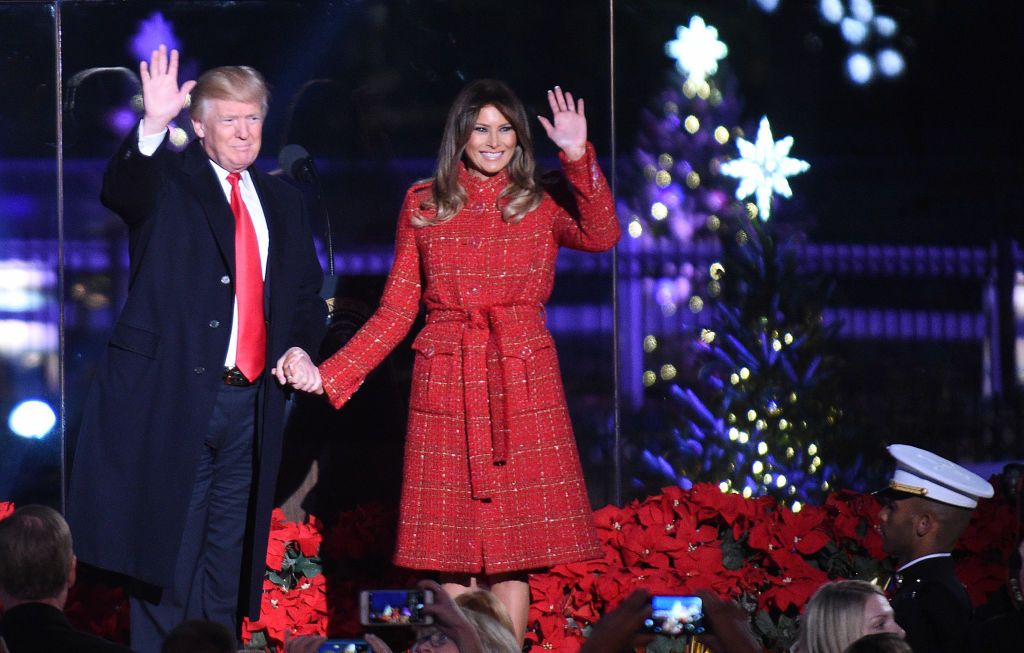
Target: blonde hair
{"x": 834, "y": 617}
{"x": 495, "y": 636}
{"x": 236, "y": 83}
{"x": 522, "y": 195}
{"x": 485, "y": 602}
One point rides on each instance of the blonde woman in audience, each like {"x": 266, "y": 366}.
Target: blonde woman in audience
{"x": 840, "y": 613}
{"x": 488, "y": 603}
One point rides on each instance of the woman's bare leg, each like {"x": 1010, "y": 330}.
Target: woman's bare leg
{"x": 455, "y": 584}
{"x": 513, "y": 590}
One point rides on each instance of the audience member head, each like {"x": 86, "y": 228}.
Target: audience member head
{"x": 495, "y": 636}
{"x": 198, "y": 636}
{"x": 840, "y": 613}
{"x": 879, "y": 643}
{"x": 485, "y": 602}
{"x": 431, "y": 639}
{"x": 927, "y": 503}
{"x": 37, "y": 563}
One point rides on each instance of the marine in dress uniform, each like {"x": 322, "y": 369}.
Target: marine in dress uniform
{"x": 926, "y": 506}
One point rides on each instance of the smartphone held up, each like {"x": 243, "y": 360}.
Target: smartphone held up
{"x": 402, "y": 607}
{"x": 345, "y": 646}
{"x": 675, "y": 615}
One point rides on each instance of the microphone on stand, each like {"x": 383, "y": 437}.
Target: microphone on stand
{"x": 296, "y": 162}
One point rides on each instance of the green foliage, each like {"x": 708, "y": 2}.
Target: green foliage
{"x": 295, "y": 567}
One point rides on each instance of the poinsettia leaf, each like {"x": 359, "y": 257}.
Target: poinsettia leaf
{"x": 732, "y": 554}
{"x": 788, "y": 629}
{"x": 764, "y": 625}
{"x": 276, "y": 579}
{"x": 308, "y": 567}
{"x": 258, "y": 641}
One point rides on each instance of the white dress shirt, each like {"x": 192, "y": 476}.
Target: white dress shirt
{"x": 149, "y": 144}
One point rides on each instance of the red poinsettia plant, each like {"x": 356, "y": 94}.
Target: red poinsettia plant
{"x": 302, "y": 595}
{"x": 765, "y": 555}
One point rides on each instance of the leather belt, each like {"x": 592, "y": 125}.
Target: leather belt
{"x": 233, "y": 376}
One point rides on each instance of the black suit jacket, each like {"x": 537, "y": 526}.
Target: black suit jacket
{"x": 40, "y": 628}
{"x": 933, "y": 607}
{"x": 155, "y": 387}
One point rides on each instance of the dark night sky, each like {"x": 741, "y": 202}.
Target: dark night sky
{"x": 930, "y": 157}
{"x": 933, "y": 156}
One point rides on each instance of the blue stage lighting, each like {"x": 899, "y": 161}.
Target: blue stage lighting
{"x": 32, "y": 418}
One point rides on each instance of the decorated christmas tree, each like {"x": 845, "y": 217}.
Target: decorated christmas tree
{"x": 744, "y": 380}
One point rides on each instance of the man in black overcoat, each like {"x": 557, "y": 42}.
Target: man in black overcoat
{"x": 174, "y": 472}
{"x": 925, "y": 508}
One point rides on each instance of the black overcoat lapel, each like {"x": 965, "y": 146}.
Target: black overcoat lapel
{"x": 210, "y": 194}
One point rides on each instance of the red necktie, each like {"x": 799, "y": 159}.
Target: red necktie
{"x": 251, "y": 354}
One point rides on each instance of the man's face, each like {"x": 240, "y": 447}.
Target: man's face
{"x": 231, "y": 132}
{"x": 897, "y": 518}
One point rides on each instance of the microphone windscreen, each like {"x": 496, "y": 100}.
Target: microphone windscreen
{"x": 289, "y": 156}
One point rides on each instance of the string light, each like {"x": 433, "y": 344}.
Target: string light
{"x": 636, "y": 229}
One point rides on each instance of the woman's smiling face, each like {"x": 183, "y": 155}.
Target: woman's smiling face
{"x": 491, "y": 144}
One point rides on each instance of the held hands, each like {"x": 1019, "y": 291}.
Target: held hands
{"x": 297, "y": 370}
{"x": 568, "y": 127}
{"x": 161, "y": 96}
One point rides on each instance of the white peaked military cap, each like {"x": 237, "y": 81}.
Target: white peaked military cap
{"x": 921, "y": 473}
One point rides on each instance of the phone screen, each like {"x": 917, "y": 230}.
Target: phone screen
{"x": 675, "y": 615}
{"x": 344, "y": 646}
{"x": 395, "y": 607}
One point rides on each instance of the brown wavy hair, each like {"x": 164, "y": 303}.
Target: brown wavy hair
{"x": 447, "y": 197}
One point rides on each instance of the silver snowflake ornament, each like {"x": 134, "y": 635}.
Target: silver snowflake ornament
{"x": 763, "y": 168}
{"x": 696, "y": 50}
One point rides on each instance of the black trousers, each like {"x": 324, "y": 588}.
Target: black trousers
{"x": 209, "y": 566}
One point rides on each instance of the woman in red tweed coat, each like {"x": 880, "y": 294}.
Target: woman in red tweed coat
{"x": 492, "y": 482}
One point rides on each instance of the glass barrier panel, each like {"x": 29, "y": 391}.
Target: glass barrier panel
{"x": 30, "y": 363}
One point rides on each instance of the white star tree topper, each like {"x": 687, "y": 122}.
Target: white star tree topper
{"x": 763, "y": 168}
{"x": 696, "y": 50}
